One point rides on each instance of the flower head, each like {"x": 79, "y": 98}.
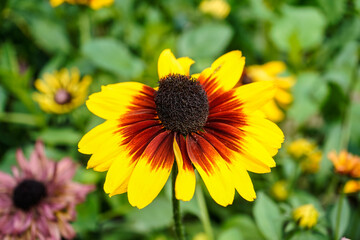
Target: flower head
{"x": 217, "y": 8}
{"x": 62, "y": 91}
{"x": 203, "y": 123}
{"x": 345, "y": 163}
{"x": 94, "y": 4}
{"x": 306, "y": 216}
{"x": 271, "y": 72}
{"x": 39, "y": 200}
{"x": 306, "y": 153}
{"x": 280, "y": 190}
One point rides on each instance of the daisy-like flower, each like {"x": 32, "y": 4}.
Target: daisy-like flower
{"x": 39, "y": 201}
{"x": 61, "y": 92}
{"x": 306, "y": 216}
{"x": 271, "y": 72}
{"x": 345, "y": 163}
{"x": 216, "y": 8}
{"x": 94, "y": 4}
{"x": 204, "y": 123}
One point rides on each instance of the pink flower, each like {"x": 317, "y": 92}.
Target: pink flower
{"x": 38, "y": 201}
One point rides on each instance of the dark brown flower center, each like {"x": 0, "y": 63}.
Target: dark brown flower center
{"x": 28, "y": 193}
{"x": 182, "y": 104}
{"x": 62, "y": 97}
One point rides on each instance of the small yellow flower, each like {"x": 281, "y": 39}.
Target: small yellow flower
{"x": 270, "y": 72}
{"x": 345, "y": 163}
{"x": 94, "y": 4}
{"x": 217, "y": 8}
{"x": 280, "y": 190}
{"x": 61, "y": 92}
{"x": 306, "y": 216}
{"x": 311, "y": 163}
{"x": 352, "y": 186}
{"x": 300, "y": 148}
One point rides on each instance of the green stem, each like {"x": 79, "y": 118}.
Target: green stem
{"x": 338, "y": 215}
{"x": 204, "y": 213}
{"x": 179, "y": 229}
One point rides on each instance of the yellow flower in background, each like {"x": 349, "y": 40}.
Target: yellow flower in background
{"x": 311, "y": 163}
{"x": 217, "y": 8}
{"x": 62, "y": 91}
{"x": 204, "y": 123}
{"x": 306, "y": 153}
{"x": 345, "y": 163}
{"x": 94, "y": 4}
{"x": 300, "y": 148}
{"x": 280, "y": 190}
{"x": 271, "y": 72}
{"x": 352, "y": 186}
{"x": 306, "y": 216}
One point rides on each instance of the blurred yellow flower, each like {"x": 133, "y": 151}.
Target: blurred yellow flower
{"x": 280, "y": 190}
{"x": 352, "y": 186}
{"x": 94, "y": 4}
{"x": 62, "y": 91}
{"x": 300, "y": 148}
{"x": 311, "y": 163}
{"x": 217, "y": 8}
{"x": 345, "y": 163}
{"x": 307, "y": 153}
{"x": 271, "y": 72}
{"x": 306, "y": 216}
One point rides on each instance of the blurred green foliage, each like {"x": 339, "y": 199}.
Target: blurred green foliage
{"x": 319, "y": 41}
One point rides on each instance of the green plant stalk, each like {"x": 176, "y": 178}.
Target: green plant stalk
{"x": 205, "y": 219}
{"x": 338, "y": 215}
{"x": 179, "y": 229}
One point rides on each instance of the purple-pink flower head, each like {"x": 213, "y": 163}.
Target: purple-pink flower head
{"x": 38, "y": 201}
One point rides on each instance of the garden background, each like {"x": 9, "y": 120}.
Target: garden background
{"x": 317, "y": 40}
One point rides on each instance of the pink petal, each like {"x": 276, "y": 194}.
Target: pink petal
{"x": 6, "y": 181}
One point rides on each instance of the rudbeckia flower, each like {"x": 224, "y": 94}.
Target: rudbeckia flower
{"x": 94, "y": 4}
{"x": 61, "y": 92}
{"x": 280, "y": 190}
{"x": 271, "y": 72}
{"x": 345, "y": 163}
{"x": 306, "y": 216}
{"x": 352, "y": 186}
{"x": 217, "y": 8}
{"x": 38, "y": 201}
{"x": 205, "y": 124}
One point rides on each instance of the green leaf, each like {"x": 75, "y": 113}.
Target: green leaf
{"x": 206, "y": 41}
{"x": 230, "y": 234}
{"x": 268, "y": 217}
{"x": 114, "y": 56}
{"x": 306, "y": 100}
{"x": 306, "y": 24}
{"x": 8, "y": 59}
{"x": 87, "y": 214}
{"x": 55, "y": 136}
{"x": 49, "y": 35}
{"x": 344, "y": 216}
{"x": 333, "y": 9}
{"x": 307, "y": 235}
{"x": 246, "y": 226}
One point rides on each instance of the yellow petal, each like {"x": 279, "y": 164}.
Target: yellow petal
{"x": 186, "y": 63}
{"x": 146, "y": 183}
{"x": 255, "y": 95}
{"x": 117, "y": 178}
{"x": 227, "y": 69}
{"x": 185, "y": 180}
{"x": 274, "y": 68}
{"x": 242, "y": 182}
{"x": 252, "y": 149}
{"x": 273, "y": 112}
{"x": 91, "y": 141}
{"x": 284, "y": 98}
{"x": 114, "y": 99}
{"x": 168, "y": 64}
